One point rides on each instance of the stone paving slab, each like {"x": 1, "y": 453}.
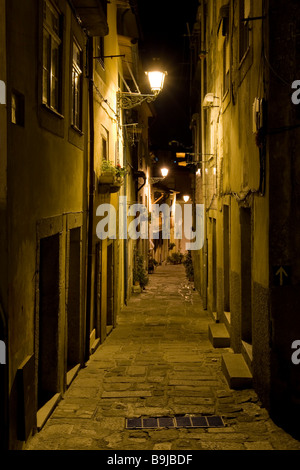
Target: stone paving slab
{"x": 158, "y": 361}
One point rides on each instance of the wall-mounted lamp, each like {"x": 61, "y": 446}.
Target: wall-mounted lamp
{"x": 156, "y": 80}
{"x": 128, "y": 100}
{"x": 164, "y": 172}
{"x": 157, "y": 179}
{"x": 209, "y": 100}
{"x": 186, "y": 198}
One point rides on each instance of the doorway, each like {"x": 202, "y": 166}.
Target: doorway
{"x": 48, "y": 383}
{"x": 3, "y": 387}
{"x": 74, "y": 300}
{"x": 226, "y": 251}
{"x": 110, "y": 288}
{"x": 96, "y": 320}
{"x": 246, "y": 275}
{"x": 214, "y": 264}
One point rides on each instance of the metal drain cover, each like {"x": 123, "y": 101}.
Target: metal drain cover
{"x": 175, "y": 422}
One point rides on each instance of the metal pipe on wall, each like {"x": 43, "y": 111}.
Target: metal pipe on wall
{"x": 90, "y": 198}
{"x": 205, "y": 251}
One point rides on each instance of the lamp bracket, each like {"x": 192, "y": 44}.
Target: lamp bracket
{"x": 126, "y": 100}
{"x": 108, "y": 56}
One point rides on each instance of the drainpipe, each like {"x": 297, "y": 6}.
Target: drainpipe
{"x": 125, "y": 241}
{"x": 205, "y": 253}
{"x": 91, "y": 198}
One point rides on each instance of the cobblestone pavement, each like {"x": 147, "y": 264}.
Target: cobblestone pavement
{"x": 158, "y": 361}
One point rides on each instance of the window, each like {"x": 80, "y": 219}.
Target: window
{"x": 17, "y": 108}
{"x": 226, "y": 59}
{"x": 77, "y": 86}
{"x": 51, "y": 87}
{"x": 99, "y": 49}
{"x": 104, "y": 149}
{"x": 244, "y": 33}
{"x": 105, "y": 143}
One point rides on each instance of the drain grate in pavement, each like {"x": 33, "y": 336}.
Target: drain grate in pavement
{"x": 175, "y": 422}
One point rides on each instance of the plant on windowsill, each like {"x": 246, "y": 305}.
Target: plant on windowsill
{"x": 111, "y": 178}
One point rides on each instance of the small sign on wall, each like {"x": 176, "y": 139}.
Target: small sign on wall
{"x": 282, "y": 275}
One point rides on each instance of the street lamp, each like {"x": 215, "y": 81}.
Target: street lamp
{"x": 209, "y": 100}
{"x": 186, "y": 198}
{"x": 156, "y": 80}
{"x": 157, "y": 179}
{"x": 128, "y": 100}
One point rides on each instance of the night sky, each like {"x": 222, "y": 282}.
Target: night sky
{"x": 165, "y": 36}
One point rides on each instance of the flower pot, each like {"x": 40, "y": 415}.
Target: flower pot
{"x": 107, "y": 178}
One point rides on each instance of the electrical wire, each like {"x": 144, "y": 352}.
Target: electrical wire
{"x": 114, "y": 119}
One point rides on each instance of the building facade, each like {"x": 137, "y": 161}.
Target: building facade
{"x": 62, "y": 64}
{"x": 245, "y": 59}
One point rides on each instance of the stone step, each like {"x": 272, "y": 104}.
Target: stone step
{"x": 236, "y": 371}
{"x": 218, "y": 335}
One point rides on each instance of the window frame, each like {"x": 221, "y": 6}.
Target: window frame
{"x": 99, "y": 50}
{"x": 226, "y": 74}
{"x": 55, "y": 39}
{"x": 244, "y": 30}
{"x": 76, "y": 69}
{"x": 104, "y": 143}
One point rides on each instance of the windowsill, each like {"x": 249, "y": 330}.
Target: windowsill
{"x": 101, "y": 63}
{"x": 244, "y": 57}
{"x": 53, "y": 111}
{"x": 226, "y": 100}
{"x": 245, "y": 64}
{"x": 225, "y": 95}
{"x": 76, "y": 129}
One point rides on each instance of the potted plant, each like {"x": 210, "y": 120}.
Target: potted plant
{"x": 175, "y": 258}
{"x": 107, "y": 172}
{"x": 139, "y": 273}
{"x": 111, "y": 177}
{"x": 189, "y": 268}
{"x": 151, "y": 265}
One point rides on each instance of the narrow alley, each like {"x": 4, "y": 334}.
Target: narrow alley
{"x": 159, "y": 362}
